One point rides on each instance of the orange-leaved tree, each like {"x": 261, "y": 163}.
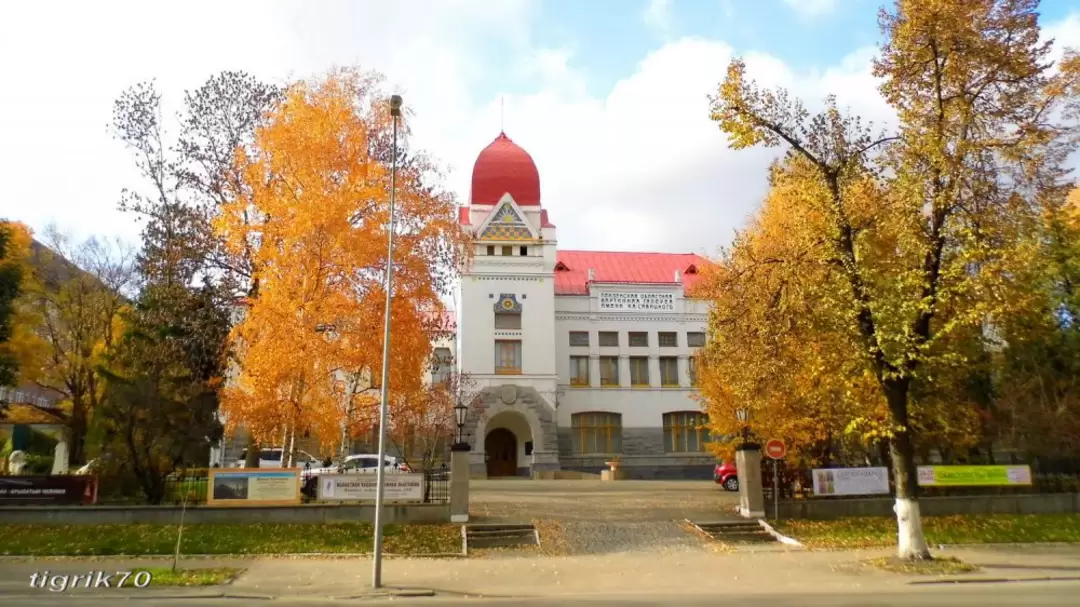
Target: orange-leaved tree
{"x": 318, "y": 185}
{"x": 920, "y": 233}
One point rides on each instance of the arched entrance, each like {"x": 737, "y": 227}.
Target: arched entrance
{"x": 501, "y": 448}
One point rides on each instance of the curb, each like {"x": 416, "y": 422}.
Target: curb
{"x": 221, "y": 557}
{"x": 994, "y": 580}
{"x": 401, "y": 593}
{"x": 166, "y": 595}
{"x": 780, "y": 537}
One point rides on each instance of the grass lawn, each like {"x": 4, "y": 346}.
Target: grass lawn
{"x": 165, "y": 576}
{"x": 875, "y": 532}
{"x": 133, "y": 540}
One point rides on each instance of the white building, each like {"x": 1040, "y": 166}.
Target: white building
{"x": 579, "y": 356}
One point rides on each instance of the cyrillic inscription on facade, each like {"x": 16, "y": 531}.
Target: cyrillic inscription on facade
{"x": 637, "y": 302}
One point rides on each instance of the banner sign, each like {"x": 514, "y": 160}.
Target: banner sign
{"x": 47, "y": 490}
{"x": 636, "y": 302}
{"x": 254, "y": 487}
{"x": 973, "y": 476}
{"x": 851, "y": 481}
{"x": 362, "y": 487}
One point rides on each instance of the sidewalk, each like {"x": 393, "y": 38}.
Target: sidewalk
{"x": 680, "y": 573}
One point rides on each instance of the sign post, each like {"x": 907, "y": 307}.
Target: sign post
{"x": 776, "y": 450}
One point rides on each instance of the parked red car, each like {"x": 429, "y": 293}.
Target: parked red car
{"x": 726, "y": 475}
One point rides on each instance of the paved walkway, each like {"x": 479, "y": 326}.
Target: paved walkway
{"x": 612, "y": 575}
{"x": 524, "y": 500}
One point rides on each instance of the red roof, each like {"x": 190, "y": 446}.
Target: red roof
{"x": 463, "y": 216}
{"x": 544, "y": 221}
{"x": 502, "y": 167}
{"x": 572, "y": 269}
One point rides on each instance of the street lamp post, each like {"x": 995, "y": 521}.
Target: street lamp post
{"x": 744, "y": 418}
{"x": 461, "y": 414}
{"x": 380, "y": 479}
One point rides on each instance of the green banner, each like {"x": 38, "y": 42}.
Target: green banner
{"x": 973, "y": 476}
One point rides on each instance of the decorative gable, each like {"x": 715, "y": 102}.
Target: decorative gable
{"x": 506, "y": 223}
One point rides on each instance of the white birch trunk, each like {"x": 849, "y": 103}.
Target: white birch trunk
{"x": 911, "y": 540}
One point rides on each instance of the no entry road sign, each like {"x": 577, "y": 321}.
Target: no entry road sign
{"x": 775, "y": 448}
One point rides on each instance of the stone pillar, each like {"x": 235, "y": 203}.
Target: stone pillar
{"x": 751, "y": 495}
{"x": 459, "y": 483}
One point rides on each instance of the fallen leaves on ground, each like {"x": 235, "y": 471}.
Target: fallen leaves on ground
{"x": 937, "y": 566}
{"x": 134, "y": 540}
{"x": 553, "y": 538}
{"x": 874, "y": 532}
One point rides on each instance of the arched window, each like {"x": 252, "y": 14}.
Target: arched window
{"x": 686, "y": 432}
{"x": 596, "y": 432}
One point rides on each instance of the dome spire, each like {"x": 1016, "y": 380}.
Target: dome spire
{"x": 503, "y": 167}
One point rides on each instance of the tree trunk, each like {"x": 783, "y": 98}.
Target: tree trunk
{"x": 911, "y": 540}
{"x": 77, "y": 433}
{"x": 251, "y": 460}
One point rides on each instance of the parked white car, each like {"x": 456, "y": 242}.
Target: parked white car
{"x": 361, "y": 463}
{"x": 272, "y": 457}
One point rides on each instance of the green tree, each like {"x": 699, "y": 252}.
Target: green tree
{"x": 915, "y": 237}
{"x": 160, "y": 405}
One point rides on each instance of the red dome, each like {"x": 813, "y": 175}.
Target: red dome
{"x": 504, "y": 167}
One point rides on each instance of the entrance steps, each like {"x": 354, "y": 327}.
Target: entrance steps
{"x": 736, "y": 532}
{"x": 499, "y": 535}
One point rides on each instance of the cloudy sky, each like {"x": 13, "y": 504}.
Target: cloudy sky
{"x": 609, "y": 96}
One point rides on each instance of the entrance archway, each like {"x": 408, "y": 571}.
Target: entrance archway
{"x": 501, "y": 448}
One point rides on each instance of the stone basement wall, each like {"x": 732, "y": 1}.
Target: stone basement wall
{"x": 643, "y": 458}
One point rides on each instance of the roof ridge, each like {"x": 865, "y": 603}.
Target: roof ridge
{"x": 625, "y": 252}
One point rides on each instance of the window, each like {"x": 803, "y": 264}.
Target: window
{"x": 508, "y": 357}
{"x": 507, "y": 250}
{"x": 579, "y": 338}
{"x": 443, "y": 364}
{"x": 669, "y": 371}
{"x": 609, "y": 339}
{"x": 639, "y": 339}
{"x": 691, "y": 369}
{"x": 596, "y": 432}
{"x": 685, "y": 432}
{"x": 667, "y": 339}
{"x": 609, "y": 370}
{"x": 524, "y": 251}
{"x": 579, "y": 370}
{"x": 695, "y": 340}
{"x": 491, "y": 249}
{"x": 504, "y": 320}
{"x": 639, "y": 370}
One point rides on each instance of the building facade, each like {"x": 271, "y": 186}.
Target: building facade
{"x": 576, "y": 357}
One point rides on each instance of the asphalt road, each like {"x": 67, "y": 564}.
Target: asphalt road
{"x": 952, "y": 595}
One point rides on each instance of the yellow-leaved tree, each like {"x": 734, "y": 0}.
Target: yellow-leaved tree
{"x": 900, "y": 248}
{"x": 312, "y": 209}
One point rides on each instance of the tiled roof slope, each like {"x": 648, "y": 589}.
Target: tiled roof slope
{"x": 572, "y": 269}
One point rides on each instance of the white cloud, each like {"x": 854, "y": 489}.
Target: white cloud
{"x": 640, "y": 167}
{"x": 657, "y": 15}
{"x": 813, "y": 8}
